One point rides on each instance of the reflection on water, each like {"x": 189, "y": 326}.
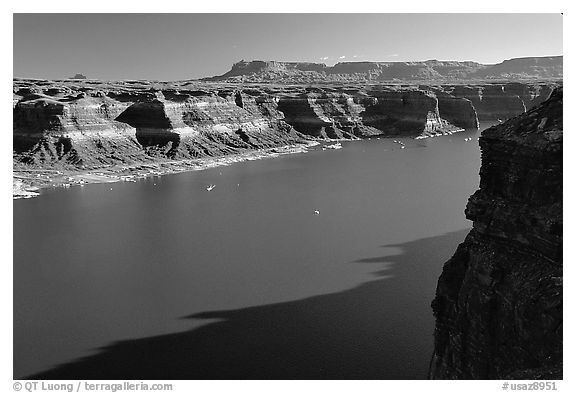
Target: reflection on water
{"x": 94, "y": 266}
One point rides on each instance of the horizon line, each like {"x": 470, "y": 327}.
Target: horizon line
{"x": 288, "y": 61}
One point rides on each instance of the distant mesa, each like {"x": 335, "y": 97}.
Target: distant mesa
{"x": 79, "y": 76}
{"x": 527, "y": 68}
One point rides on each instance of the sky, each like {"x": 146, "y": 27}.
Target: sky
{"x": 187, "y": 46}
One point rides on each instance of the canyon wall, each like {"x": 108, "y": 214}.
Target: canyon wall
{"x": 498, "y": 304}
{"x": 86, "y": 124}
{"x": 82, "y": 123}
{"x": 400, "y": 112}
{"x": 114, "y": 124}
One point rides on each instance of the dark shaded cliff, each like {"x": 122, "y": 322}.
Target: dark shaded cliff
{"x": 498, "y": 304}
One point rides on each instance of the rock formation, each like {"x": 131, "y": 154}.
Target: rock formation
{"x": 457, "y": 110}
{"x": 112, "y": 125}
{"x": 523, "y": 68}
{"x": 530, "y": 68}
{"x": 71, "y": 125}
{"x": 399, "y": 112}
{"x": 492, "y": 102}
{"x": 498, "y": 304}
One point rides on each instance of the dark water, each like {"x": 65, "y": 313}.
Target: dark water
{"x": 345, "y": 293}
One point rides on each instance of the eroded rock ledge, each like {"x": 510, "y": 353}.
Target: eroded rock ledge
{"x": 66, "y": 132}
{"x": 87, "y": 124}
{"x": 498, "y": 304}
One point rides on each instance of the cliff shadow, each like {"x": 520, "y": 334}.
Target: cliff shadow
{"x": 381, "y": 329}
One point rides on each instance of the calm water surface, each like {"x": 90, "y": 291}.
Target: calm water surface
{"x": 103, "y": 263}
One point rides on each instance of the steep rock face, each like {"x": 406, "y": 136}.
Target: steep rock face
{"x": 40, "y": 113}
{"x": 376, "y": 111}
{"x": 207, "y": 125}
{"x": 412, "y": 113}
{"x": 491, "y": 101}
{"x": 48, "y": 131}
{"x": 258, "y": 103}
{"x": 89, "y": 124}
{"x": 301, "y": 113}
{"x": 498, "y": 304}
{"x": 325, "y": 115}
{"x": 530, "y": 94}
{"x": 98, "y": 128}
{"x": 502, "y": 101}
{"x": 458, "y": 111}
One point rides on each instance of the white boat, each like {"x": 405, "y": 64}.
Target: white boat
{"x": 210, "y": 187}
{"x": 337, "y": 145}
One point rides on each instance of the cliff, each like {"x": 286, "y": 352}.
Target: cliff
{"x": 523, "y": 68}
{"x": 502, "y": 101}
{"x": 498, "y": 304}
{"x": 90, "y": 126}
{"x": 529, "y": 68}
{"x": 80, "y": 125}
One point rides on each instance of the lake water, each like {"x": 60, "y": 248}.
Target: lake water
{"x": 343, "y": 293}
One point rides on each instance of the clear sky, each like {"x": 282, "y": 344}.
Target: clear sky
{"x": 184, "y": 46}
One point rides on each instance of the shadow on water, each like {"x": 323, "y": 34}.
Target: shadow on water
{"x": 382, "y": 329}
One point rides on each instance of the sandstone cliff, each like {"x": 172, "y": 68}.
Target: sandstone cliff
{"x": 502, "y": 101}
{"x": 498, "y": 304}
{"x": 108, "y": 124}
{"x": 78, "y": 125}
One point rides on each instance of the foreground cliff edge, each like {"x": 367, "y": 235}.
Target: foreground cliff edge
{"x": 498, "y": 304}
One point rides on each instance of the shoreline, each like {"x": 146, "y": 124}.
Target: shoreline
{"x": 26, "y": 183}
{"x": 443, "y": 133}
